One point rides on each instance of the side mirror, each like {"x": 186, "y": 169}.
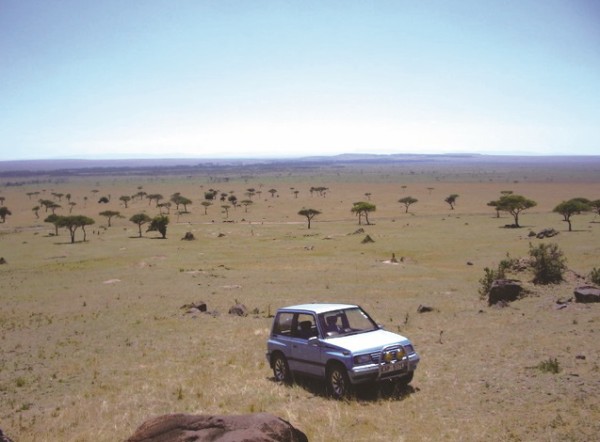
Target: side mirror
{"x": 380, "y": 327}
{"x": 313, "y": 340}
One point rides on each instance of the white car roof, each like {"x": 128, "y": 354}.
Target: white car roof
{"x": 318, "y": 307}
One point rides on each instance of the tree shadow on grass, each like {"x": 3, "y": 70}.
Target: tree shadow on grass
{"x": 362, "y": 393}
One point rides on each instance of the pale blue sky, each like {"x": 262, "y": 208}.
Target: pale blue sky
{"x": 114, "y": 78}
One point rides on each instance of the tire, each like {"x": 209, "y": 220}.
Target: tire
{"x": 405, "y": 380}
{"x": 338, "y": 382}
{"x": 281, "y": 369}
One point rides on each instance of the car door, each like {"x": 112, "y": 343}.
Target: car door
{"x": 306, "y": 348}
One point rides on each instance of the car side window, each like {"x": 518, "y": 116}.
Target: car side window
{"x": 305, "y": 326}
{"x": 283, "y": 324}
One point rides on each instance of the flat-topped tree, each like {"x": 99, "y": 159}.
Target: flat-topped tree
{"x": 140, "y": 219}
{"x": 362, "y": 208}
{"x": 110, "y": 214}
{"x": 451, "y": 200}
{"x": 74, "y": 222}
{"x": 309, "y": 214}
{"x": 125, "y": 199}
{"x": 206, "y": 205}
{"x": 407, "y": 201}
{"x": 515, "y": 204}
{"x": 4, "y": 212}
{"x": 572, "y": 207}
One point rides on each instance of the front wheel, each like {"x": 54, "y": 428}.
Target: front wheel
{"x": 338, "y": 382}
{"x": 281, "y": 370}
{"x": 405, "y": 380}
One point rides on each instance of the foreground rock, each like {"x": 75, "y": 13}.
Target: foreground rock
{"x": 587, "y": 293}
{"x": 261, "y": 427}
{"x": 505, "y": 290}
{"x": 4, "y": 438}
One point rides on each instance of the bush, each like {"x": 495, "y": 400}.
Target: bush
{"x": 550, "y": 365}
{"x": 491, "y": 275}
{"x": 595, "y": 276}
{"x": 486, "y": 281}
{"x": 548, "y": 263}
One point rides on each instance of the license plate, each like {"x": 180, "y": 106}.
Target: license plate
{"x": 388, "y": 368}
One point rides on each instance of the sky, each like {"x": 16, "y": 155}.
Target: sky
{"x": 260, "y": 78}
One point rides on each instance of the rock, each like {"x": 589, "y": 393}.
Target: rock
{"x": 546, "y": 233}
{"x": 2, "y": 260}
{"x": 195, "y": 306}
{"x": 424, "y": 309}
{"x": 580, "y": 357}
{"x": 260, "y": 427}
{"x": 189, "y": 236}
{"x": 531, "y": 233}
{"x": 367, "y": 239}
{"x": 469, "y": 263}
{"x": 504, "y": 290}
{"x": 239, "y": 310}
{"x": 4, "y": 437}
{"x": 358, "y": 231}
{"x": 587, "y": 293}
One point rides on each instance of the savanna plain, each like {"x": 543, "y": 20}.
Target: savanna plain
{"x": 94, "y": 339}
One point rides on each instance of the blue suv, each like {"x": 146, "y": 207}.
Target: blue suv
{"x": 339, "y": 343}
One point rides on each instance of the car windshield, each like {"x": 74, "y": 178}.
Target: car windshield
{"x": 347, "y": 321}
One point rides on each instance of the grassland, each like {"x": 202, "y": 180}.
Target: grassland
{"x": 94, "y": 341}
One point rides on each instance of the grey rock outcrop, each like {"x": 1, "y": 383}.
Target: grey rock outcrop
{"x": 260, "y": 427}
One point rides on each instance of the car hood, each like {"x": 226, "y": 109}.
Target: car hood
{"x": 367, "y": 342}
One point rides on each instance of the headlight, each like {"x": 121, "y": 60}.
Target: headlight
{"x": 400, "y": 354}
{"x": 388, "y": 356}
{"x": 362, "y": 359}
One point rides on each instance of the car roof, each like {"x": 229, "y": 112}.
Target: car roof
{"x": 317, "y": 307}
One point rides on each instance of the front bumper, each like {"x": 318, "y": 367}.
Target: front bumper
{"x": 383, "y": 371}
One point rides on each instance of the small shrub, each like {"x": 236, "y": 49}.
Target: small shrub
{"x": 548, "y": 263}
{"x": 595, "y": 275}
{"x": 550, "y": 365}
{"x": 490, "y": 275}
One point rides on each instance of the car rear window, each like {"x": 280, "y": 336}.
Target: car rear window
{"x": 283, "y": 324}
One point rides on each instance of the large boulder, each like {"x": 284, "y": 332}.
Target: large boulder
{"x": 261, "y": 427}
{"x": 505, "y": 290}
{"x": 238, "y": 310}
{"x": 4, "y": 437}
{"x": 587, "y": 293}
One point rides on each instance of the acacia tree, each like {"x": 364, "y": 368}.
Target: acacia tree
{"x": 110, "y": 214}
{"x": 54, "y": 220}
{"x": 515, "y": 204}
{"x": 451, "y": 200}
{"x": 4, "y": 212}
{"x": 595, "y": 205}
{"x": 272, "y": 192}
{"x": 159, "y": 224}
{"x": 73, "y": 222}
{"x": 206, "y": 205}
{"x": 36, "y": 210}
{"x": 140, "y": 219}
{"x": 309, "y": 214}
{"x": 572, "y": 207}
{"x": 226, "y": 208}
{"x": 361, "y": 209}
{"x": 407, "y": 201}
{"x": 125, "y": 199}
{"x": 178, "y": 200}
{"x": 246, "y": 203}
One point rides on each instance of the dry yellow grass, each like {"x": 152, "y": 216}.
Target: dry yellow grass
{"x": 93, "y": 339}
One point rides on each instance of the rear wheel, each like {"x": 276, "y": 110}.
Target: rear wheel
{"x": 338, "y": 382}
{"x": 281, "y": 369}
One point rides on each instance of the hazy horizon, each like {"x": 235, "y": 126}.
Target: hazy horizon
{"x": 271, "y": 79}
